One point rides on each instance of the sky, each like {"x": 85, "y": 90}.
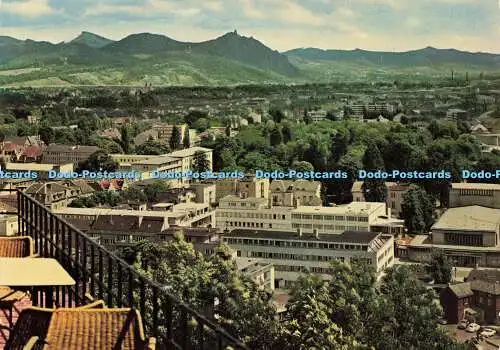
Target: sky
{"x": 388, "y": 25}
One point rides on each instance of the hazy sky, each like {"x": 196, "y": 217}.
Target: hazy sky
{"x": 392, "y": 25}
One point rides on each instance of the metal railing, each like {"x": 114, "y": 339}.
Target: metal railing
{"x": 103, "y": 275}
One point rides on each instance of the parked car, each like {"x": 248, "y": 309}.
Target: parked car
{"x": 473, "y": 327}
{"x": 488, "y": 332}
{"x": 462, "y": 324}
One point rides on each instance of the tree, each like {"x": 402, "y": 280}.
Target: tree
{"x": 308, "y": 318}
{"x": 307, "y": 117}
{"x": 126, "y": 139}
{"x": 211, "y": 284}
{"x": 287, "y": 133}
{"x": 200, "y": 162}
{"x": 418, "y": 211}
{"x": 439, "y": 267}
{"x": 46, "y": 134}
{"x": 201, "y": 124}
{"x": 186, "y": 141}
{"x": 98, "y": 161}
{"x": 175, "y": 139}
{"x": 276, "y": 138}
{"x": 408, "y": 315}
{"x": 302, "y": 166}
{"x": 277, "y": 115}
{"x": 374, "y": 190}
{"x": 193, "y": 116}
{"x": 152, "y": 147}
{"x": 339, "y": 143}
{"x": 153, "y": 190}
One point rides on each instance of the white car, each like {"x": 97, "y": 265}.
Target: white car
{"x": 473, "y": 327}
{"x": 488, "y": 332}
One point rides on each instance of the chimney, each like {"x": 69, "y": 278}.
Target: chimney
{"x": 299, "y": 232}
{"x": 316, "y": 233}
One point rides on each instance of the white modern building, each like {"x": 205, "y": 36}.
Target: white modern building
{"x": 293, "y": 253}
{"x": 258, "y": 213}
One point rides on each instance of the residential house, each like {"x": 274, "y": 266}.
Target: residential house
{"x": 478, "y": 296}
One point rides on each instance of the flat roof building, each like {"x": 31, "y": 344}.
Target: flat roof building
{"x": 469, "y": 236}
{"x": 293, "y": 253}
{"x": 466, "y": 194}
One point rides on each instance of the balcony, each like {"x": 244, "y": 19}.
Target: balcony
{"x": 100, "y": 274}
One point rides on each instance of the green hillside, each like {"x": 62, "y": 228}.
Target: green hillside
{"x": 175, "y": 68}
{"x": 230, "y": 59}
{"x": 91, "y": 40}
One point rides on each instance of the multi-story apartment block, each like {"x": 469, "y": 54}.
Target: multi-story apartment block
{"x": 395, "y": 194}
{"x": 465, "y": 194}
{"x": 187, "y": 157}
{"x": 170, "y": 215}
{"x": 248, "y": 187}
{"x": 294, "y": 253}
{"x": 235, "y": 212}
{"x": 62, "y": 154}
{"x": 59, "y": 194}
{"x": 317, "y": 116}
{"x": 177, "y": 161}
{"x": 165, "y": 131}
{"x": 286, "y": 192}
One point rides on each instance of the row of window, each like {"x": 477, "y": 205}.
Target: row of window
{"x": 244, "y": 204}
{"x": 295, "y": 244}
{"x": 485, "y": 193}
{"x": 303, "y": 257}
{"x": 250, "y": 215}
{"x": 330, "y": 217}
{"x": 463, "y": 239}
{"x": 294, "y": 268}
{"x": 330, "y": 227}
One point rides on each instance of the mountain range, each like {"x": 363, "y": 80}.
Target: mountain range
{"x": 229, "y": 59}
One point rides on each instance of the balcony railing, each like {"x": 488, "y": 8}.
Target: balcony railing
{"x": 103, "y": 275}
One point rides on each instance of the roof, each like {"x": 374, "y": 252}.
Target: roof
{"x": 357, "y": 186}
{"x": 188, "y": 152}
{"x": 46, "y": 188}
{"x": 485, "y": 280}
{"x": 66, "y": 148}
{"x": 474, "y": 186}
{"x": 357, "y": 237}
{"x": 83, "y": 185}
{"x": 157, "y": 160}
{"x": 354, "y": 208}
{"x": 30, "y": 166}
{"x": 290, "y": 185}
{"x": 128, "y": 224}
{"x": 472, "y": 218}
{"x": 461, "y": 290}
{"x": 144, "y": 136}
{"x": 32, "y": 152}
